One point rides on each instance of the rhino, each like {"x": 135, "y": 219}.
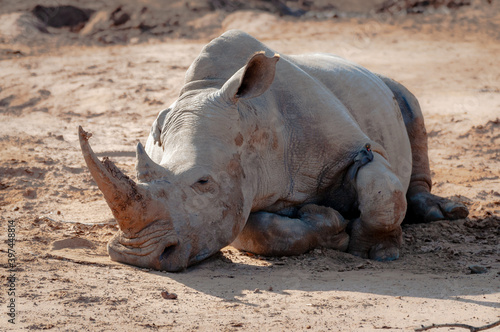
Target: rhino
{"x": 276, "y": 155}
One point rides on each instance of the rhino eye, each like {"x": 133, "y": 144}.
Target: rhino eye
{"x": 204, "y": 185}
{"x": 203, "y": 180}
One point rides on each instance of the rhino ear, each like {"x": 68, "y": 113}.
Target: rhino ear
{"x": 158, "y": 125}
{"x": 252, "y": 80}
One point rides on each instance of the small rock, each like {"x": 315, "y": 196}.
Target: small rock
{"x": 119, "y": 17}
{"x": 477, "y": 269}
{"x": 256, "y": 290}
{"x": 270, "y": 288}
{"x": 168, "y": 296}
{"x": 44, "y": 93}
{"x": 29, "y": 193}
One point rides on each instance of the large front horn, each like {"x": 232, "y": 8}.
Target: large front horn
{"x": 124, "y": 197}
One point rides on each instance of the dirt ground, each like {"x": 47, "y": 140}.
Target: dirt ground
{"x": 113, "y": 81}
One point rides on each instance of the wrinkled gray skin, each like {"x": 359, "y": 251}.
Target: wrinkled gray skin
{"x": 275, "y": 155}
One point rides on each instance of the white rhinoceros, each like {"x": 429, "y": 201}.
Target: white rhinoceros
{"x": 273, "y": 157}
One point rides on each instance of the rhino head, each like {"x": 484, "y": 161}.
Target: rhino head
{"x": 194, "y": 191}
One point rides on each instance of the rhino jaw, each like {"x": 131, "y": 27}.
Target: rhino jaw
{"x": 167, "y": 255}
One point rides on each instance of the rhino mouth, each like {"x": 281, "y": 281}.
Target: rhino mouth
{"x": 166, "y": 255}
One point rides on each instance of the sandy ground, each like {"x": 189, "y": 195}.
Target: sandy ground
{"x": 64, "y": 278}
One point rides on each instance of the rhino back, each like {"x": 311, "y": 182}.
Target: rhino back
{"x": 222, "y": 57}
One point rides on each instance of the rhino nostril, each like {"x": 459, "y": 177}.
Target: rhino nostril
{"x": 167, "y": 251}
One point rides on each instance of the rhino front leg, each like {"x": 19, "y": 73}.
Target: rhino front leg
{"x": 377, "y": 233}
{"x": 270, "y": 234}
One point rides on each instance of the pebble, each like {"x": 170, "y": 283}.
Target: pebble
{"x": 168, "y": 296}
{"x": 477, "y": 269}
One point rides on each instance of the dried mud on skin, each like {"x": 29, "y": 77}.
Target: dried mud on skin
{"x": 65, "y": 277}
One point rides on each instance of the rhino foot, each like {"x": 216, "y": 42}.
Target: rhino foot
{"x": 270, "y": 234}
{"x": 328, "y": 224}
{"x": 376, "y": 245}
{"x": 426, "y": 207}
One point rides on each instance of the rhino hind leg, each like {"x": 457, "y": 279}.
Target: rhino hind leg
{"x": 271, "y": 234}
{"x": 422, "y": 205}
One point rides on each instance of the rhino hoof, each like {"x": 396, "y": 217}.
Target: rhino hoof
{"x": 455, "y": 211}
{"x": 382, "y": 254}
{"x": 433, "y": 214}
{"x": 426, "y": 207}
{"x": 338, "y": 242}
{"x": 377, "y": 245}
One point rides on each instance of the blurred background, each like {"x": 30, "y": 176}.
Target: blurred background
{"x": 45, "y": 22}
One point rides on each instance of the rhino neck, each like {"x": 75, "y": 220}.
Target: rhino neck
{"x": 263, "y": 143}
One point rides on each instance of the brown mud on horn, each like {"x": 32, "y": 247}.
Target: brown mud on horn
{"x": 125, "y": 198}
